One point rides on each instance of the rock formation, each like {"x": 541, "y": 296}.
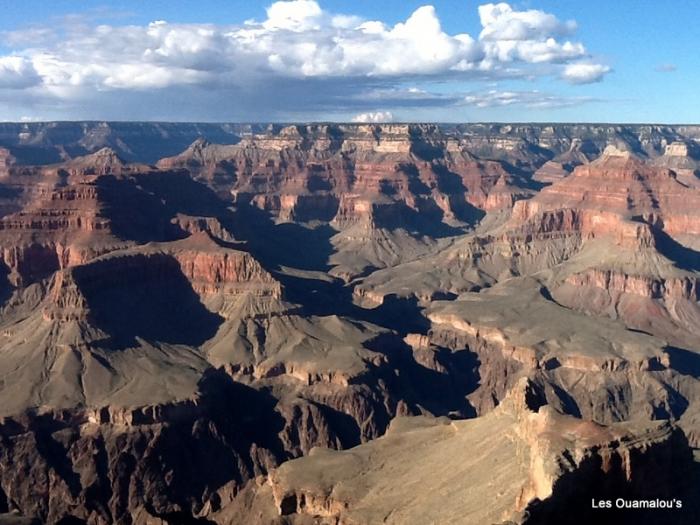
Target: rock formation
{"x": 510, "y": 466}
{"x": 346, "y": 323}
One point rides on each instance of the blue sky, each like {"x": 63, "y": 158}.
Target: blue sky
{"x": 593, "y": 61}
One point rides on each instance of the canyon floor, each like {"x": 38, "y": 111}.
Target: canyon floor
{"x": 349, "y": 324}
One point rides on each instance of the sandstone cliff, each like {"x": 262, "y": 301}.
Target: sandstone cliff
{"x": 514, "y": 465}
{"x": 278, "y": 290}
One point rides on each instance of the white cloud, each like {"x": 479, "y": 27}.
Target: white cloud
{"x": 332, "y": 47}
{"x": 296, "y": 15}
{"x": 534, "y": 51}
{"x": 584, "y": 73}
{"x": 530, "y": 36}
{"x": 501, "y": 22}
{"x": 374, "y": 117}
{"x": 17, "y": 73}
{"x": 529, "y": 99}
{"x": 263, "y": 63}
{"x": 25, "y": 118}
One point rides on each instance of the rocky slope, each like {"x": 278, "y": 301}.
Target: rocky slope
{"x": 266, "y": 293}
{"x": 365, "y": 181}
{"x": 522, "y": 459}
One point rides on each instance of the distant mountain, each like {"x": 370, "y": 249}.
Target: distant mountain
{"x": 49, "y": 142}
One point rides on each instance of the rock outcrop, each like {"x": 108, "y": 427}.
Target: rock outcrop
{"x": 517, "y": 464}
{"x": 6, "y": 161}
{"x": 343, "y": 174}
{"x": 610, "y": 195}
{"x": 271, "y": 296}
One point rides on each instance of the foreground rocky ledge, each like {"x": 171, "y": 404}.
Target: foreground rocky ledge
{"x": 521, "y": 463}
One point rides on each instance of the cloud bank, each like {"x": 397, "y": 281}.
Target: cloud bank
{"x": 374, "y": 117}
{"x": 300, "y": 56}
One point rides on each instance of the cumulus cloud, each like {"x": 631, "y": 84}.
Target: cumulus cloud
{"x": 295, "y": 15}
{"x": 374, "y": 117}
{"x": 299, "y": 55}
{"x": 17, "y": 73}
{"x": 584, "y": 73}
{"x": 502, "y": 22}
{"x": 530, "y": 36}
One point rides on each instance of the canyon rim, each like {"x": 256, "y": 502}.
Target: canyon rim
{"x": 333, "y": 263}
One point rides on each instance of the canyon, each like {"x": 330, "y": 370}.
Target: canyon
{"x": 348, "y": 323}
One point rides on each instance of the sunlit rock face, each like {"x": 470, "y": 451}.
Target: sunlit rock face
{"x": 345, "y": 323}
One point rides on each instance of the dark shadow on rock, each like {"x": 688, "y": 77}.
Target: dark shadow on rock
{"x": 415, "y": 185}
{"x": 100, "y": 490}
{"x": 317, "y": 183}
{"x": 235, "y": 438}
{"x": 343, "y": 425}
{"x": 664, "y": 471}
{"x": 147, "y": 297}
{"x": 321, "y": 297}
{"x": 428, "y": 220}
{"x": 445, "y": 393}
{"x": 9, "y": 195}
{"x": 247, "y": 413}
{"x": 71, "y": 520}
{"x": 451, "y": 184}
{"x": 141, "y": 207}
{"x": 439, "y": 381}
{"x": 180, "y": 193}
{"x": 675, "y": 407}
{"x": 6, "y": 287}
{"x": 568, "y": 403}
{"x": 38, "y": 262}
{"x": 35, "y": 155}
{"x": 53, "y": 452}
{"x": 685, "y": 258}
{"x": 448, "y": 182}
{"x": 285, "y": 244}
{"x": 404, "y": 315}
{"x": 684, "y": 361}
{"x": 136, "y": 214}
{"x": 425, "y": 150}
{"x": 4, "y": 506}
{"x": 387, "y": 188}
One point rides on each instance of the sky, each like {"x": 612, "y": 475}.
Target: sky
{"x": 360, "y": 60}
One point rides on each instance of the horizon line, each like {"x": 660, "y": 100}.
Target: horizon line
{"x": 351, "y": 123}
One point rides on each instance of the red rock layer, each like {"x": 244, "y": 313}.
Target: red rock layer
{"x": 318, "y": 172}
{"x": 6, "y": 160}
{"x": 48, "y": 233}
{"x": 59, "y": 215}
{"x": 225, "y": 271}
{"x": 645, "y": 286}
{"x": 616, "y": 196}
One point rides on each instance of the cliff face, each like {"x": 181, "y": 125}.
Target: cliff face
{"x": 345, "y": 176}
{"x": 532, "y": 454}
{"x": 6, "y": 160}
{"x": 616, "y": 188}
{"x": 43, "y": 142}
{"x": 272, "y": 292}
{"x": 41, "y": 237}
{"x": 617, "y": 236}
